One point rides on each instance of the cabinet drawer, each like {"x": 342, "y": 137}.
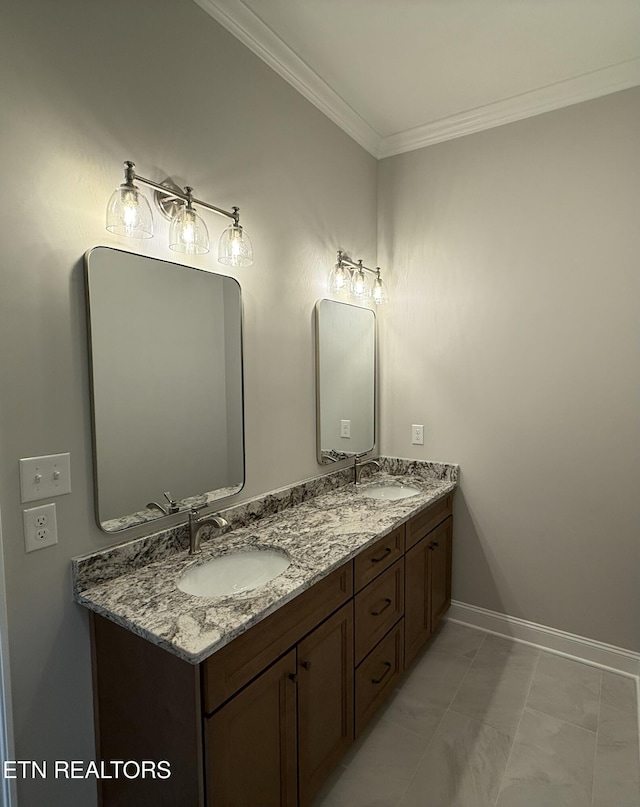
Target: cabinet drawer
{"x": 424, "y": 522}
{"x": 377, "y": 675}
{"x": 373, "y": 561}
{"x": 235, "y": 664}
{"x": 377, "y": 607}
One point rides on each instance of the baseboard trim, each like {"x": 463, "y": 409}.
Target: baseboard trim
{"x": 599, "y": 654}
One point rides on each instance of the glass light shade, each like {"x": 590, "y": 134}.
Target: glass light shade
{"x": 379, "y": 292}
{"x": 234, "y": 247}
{"x": 359, "y": 285}
{"x": 129, "y": 213}
{"x": 188, "y": 233}
{"x": 339, "y": 279}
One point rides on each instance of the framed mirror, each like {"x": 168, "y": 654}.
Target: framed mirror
{"x": 165, "y": 344}
{"x": 345, "y": 380}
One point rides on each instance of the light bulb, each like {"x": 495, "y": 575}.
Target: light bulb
{"x": 129, "y": 213}
{"x": 378, "y": 293}
{"x": 359, "y": 284}
{"x": 188, "y": 233}
{"x": 234, "y": 247}
{"x": 338, "y": 279}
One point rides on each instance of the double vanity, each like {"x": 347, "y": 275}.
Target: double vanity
{"x": 254, "y": 696}
{"x": 250, "y": 667}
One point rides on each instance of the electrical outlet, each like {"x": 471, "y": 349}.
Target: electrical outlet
{"x": 345, "y": 428}
{"x": 43, "y": 477}
{"x": 40, "y": 527}
{"x": 417, "y": 435}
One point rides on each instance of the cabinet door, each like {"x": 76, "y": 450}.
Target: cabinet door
{"x": 325, "y": 700}
{"x": 440, "y": 552}
{"x": 417, "y": 603}
{"x": 250, "y": 743}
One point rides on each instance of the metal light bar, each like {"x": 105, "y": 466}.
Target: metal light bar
{"x": 344, "y": 259}
{"x": 131, "y": 175}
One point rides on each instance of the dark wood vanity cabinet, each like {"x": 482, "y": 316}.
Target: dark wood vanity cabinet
{"x": 250, "y": 743}
{"x": 325, "y": 700}
{"x": 275, "y": 742}
{"x": 265, "y": 719}
{"x": 427, "y": 577}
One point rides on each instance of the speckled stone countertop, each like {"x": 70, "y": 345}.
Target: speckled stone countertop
{"x": 135, "y": 584}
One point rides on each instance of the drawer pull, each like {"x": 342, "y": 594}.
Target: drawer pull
{"x": 386, "y": 552}
{"x": 306, "y": 665}
{"x": 385, "y": 604}
{"x": 387, "y": 665}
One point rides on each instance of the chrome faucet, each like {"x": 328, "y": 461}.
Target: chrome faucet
{"x": 168, "y": 509}
{"x": 197, "y": 523}
{"x": 358, "y": 466}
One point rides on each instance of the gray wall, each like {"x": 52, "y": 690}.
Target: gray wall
{"x": 514, "y": 255}
{"x": 84, "y": 89}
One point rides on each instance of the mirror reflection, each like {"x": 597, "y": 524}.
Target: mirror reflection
{"x": 345, "y": 384}
{"x": 166, "y": 366}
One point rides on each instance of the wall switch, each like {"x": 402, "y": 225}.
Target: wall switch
{"x": 40, "y": 527}
{"x": 43, "y": 477}
{"x": 417, "y": 435}
{"x": 345, "y": 428}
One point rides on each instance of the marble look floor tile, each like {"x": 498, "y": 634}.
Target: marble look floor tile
{"x": 381, "y": 763}
{"x": 566, "y": 689}
{"x": 619, "y": 691}
{"x": 425, "y": 694}
{"x": 617, "y": 769}
{"x": 457, "y": 640}
{"x": 496, "y": 686}
{"x": 551, "y": 764}
{"x": 463, "y": 766}
{"x": 360, "y": 788}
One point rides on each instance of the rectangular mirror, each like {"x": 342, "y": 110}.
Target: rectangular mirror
{"x": 345, "y": 380}
{"x": 166, "y": 372}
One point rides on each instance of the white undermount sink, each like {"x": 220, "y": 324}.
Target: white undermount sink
{"x": 390, "y": 492}
{"x": 234, "y": 573}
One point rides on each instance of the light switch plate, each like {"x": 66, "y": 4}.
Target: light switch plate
{"x": 40, "y": 527}
{"x": 43, "y": 477}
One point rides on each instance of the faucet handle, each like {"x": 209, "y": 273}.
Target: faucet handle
{"x": 173, "y": 505}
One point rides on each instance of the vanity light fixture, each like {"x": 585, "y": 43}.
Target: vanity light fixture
{"x": 348, "y": 276}
{"x": 129, "y": 214}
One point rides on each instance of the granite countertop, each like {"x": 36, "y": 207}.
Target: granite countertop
{"x": 319, "y": 534}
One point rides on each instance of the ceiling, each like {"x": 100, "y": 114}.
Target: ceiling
{"x": 401, "y": 74}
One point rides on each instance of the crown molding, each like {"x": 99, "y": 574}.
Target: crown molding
{"x": 241, "y": 21}
{"x": 565, "y": 93}
{"x": 246, "y": 26}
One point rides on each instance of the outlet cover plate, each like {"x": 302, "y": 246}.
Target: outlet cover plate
{"x": 44, "y": 477}
{"x": 40, "y": 527}
{"x": 417, "y": 434}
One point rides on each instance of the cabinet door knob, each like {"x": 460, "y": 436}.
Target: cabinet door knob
{"x": 387, "y": 665}
{"x": 386, "y": 552}
{"x": 293, "y": 677}
{"x": 306, "y": 665}
{"x": 385, "y": 604}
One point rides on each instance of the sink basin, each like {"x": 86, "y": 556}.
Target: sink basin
{"x": 390, "y": 492}
{"x": 234, "y": 573}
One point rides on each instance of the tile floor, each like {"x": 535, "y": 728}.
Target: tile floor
{"x": 481, "y": 721}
